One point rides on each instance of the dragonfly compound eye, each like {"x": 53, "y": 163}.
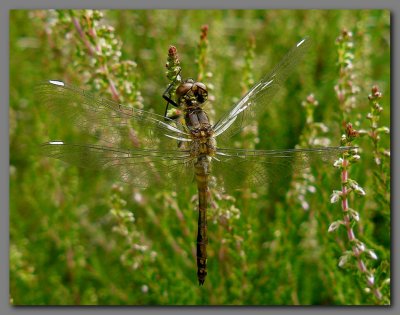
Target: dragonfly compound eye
{"x": 200, "y": 92}
{"x": 190, "y": 93}
{"x": 183, "y": 89}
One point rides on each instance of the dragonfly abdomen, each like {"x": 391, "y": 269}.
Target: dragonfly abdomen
{"x": 202, "y": 171}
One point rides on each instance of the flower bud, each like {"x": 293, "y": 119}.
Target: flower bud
{"x": 372, "y": 254}
{"x": 336, "y": 195}
{"x": 335, "y": 225}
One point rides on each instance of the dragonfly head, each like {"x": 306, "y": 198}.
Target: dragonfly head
{"x": 191, "y": 93}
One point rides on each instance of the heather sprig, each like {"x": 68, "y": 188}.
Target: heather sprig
{"x": 358, "y": 256}
{"x": 97, "y": 57}
{"x": 202, "y": 53}
{"x": 96, "y": 53}
{"x": 249, "y": 134}
{"x": 137, "y": 250}
{"x": 304, "y": 182}
{"x": 381, "y": 154}
{"x": 375, "y": 130}
{"x": 311, "y": 134}
{"x": 174, "y": 78}
{"x": 346, "y": 89}
{"x": 173, "y": 64}
{"x": 202, "y": 64}
{"x": 248, "y": 69}
{"x": 359, "y": 253}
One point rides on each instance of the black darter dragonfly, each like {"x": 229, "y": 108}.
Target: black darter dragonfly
{"x": 142, "y": 147}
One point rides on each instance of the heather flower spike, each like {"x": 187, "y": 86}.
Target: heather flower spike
{"x": 345, "y": 91}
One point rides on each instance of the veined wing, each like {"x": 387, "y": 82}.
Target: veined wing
{"x": 257, "y": 99}
{"x": 260, "y": 167}
{"x": 139, "y": 167}
{"x": 109, "y": 121}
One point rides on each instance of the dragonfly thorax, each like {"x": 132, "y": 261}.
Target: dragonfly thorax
{"x": 201, "y": 131}
{"x": 203, "y": 147}
{"x": 191, "y": 94}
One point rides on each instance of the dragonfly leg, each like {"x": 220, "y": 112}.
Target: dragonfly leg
{"x": 167, "y": 95}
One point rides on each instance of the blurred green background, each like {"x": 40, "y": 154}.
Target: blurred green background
{"x": 81, "y": 238}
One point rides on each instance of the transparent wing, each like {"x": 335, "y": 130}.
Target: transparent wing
{"x": 236, "y": 167}
{"x": 110, "y": 122}
{"x": 139, "y": 167}
{"x": 257, "y": 99}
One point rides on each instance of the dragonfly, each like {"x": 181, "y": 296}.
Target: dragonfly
{"x": 144, "y": 149}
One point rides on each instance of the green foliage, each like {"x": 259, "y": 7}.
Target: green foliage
{"x": 77, "y": 237}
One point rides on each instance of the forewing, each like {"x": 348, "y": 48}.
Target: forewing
{"x": 254, "y": 168}
{"x": 111, "y": 123}
{"x": 251, "y": 106}
{"x": 137, "y": 167}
